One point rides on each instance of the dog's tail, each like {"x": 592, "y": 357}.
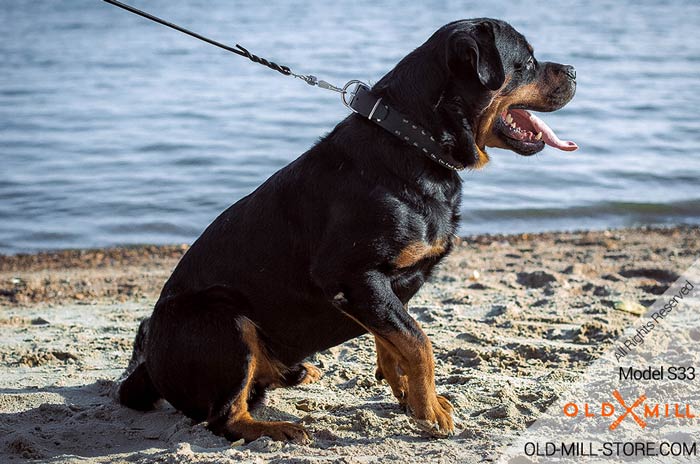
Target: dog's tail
{"x": 134, "y": 388}
{"x": 138, "y": 356}
{"x": 137, "y": 391}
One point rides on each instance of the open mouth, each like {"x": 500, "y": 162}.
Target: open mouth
{"x": 526, "y": 134}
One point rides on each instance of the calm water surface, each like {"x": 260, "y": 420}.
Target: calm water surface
{"x": 114, "y": 130}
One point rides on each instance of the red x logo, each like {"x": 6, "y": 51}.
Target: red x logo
{"x": 628, "y": 410}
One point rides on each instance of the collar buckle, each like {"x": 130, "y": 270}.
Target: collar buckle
{"x": 352, "y": 88}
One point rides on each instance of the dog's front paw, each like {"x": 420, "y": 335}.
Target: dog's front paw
{"x": 435, "y": 417}
{"x": 397, "y": 381}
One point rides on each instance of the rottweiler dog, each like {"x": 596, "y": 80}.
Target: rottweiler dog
{"x": 335, "y": 244}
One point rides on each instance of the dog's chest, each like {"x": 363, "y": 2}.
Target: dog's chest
{"x": 420, "y": 252}
{"x": 435, "y": 227}
{"x": 429, "y": 219}
{"x": 414, "y": 263}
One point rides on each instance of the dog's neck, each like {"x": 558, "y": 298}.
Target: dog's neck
{"x": 416, "y": 86}
{"x": 421, "y": 87}
{"x": 365, "y": 149}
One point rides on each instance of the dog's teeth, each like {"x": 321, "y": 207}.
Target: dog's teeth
{"x": 513, "y": 125}
{"x": 509, "y": 118}
{"x": 538, "y": 136}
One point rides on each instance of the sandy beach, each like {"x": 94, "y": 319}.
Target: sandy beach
{"x": 513, "y": 320}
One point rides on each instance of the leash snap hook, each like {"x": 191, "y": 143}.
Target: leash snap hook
{"x": 308, "y": 78}
{"x": 320, "y": 83}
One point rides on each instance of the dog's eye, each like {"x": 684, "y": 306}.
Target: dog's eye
{"x": 529, "y": 64}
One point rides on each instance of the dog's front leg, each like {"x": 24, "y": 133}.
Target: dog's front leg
{"x": 388, "y": 369}
{"x": 369, "y": 300}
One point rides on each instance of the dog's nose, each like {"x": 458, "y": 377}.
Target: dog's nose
{"x": 570, "y": 72}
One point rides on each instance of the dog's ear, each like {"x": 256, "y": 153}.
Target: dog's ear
{"x": 474, "y": 50}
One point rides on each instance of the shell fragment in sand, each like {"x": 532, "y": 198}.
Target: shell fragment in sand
{"x": 630, "y": 306}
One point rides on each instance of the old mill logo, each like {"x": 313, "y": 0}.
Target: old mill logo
{"x": 638, "y": 410}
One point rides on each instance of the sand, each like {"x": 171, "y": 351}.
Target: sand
{"x": 514, "y": 320}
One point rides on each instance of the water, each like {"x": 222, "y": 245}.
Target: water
{"x": 114, "y": 130}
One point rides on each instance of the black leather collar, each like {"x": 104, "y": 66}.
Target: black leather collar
{"x": 363, "y": 102}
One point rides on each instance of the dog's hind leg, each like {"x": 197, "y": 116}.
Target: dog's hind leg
{"x": 208, "y": 360}
{"x": 232, "y": 417}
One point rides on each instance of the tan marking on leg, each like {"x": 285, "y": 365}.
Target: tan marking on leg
{"x": 388, "y": 368}
{"x": 431, "y": 412}
{"x": 268, "y": 371}
{"x": 260, "y": 368}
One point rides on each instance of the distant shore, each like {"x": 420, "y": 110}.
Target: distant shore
{"x": 513, "y": 319}
{"x": 117, "y": 274}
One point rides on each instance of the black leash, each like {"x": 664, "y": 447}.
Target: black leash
{"x": 356, "y": 95}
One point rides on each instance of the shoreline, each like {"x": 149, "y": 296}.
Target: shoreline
{"x": 513, "y": 320}
{"x": 121, "y": 273}
{"x": 58, "y": 255}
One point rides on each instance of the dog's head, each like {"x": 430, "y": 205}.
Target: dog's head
{"x": 481, "y": 82}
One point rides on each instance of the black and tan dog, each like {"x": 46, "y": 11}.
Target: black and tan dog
{"x": 335, "y": 244}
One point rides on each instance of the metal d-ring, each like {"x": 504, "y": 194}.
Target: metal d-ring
{"x": 346, "y": 91}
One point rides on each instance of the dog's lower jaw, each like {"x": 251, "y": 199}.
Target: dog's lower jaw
{"x": 456, "y": 137}
{"x": 471, "y": 156}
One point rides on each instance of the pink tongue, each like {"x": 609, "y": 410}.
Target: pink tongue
{"x": 548, "y": 135}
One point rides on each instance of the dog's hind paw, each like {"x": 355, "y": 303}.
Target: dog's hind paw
{"x": 251, "y": 430}
{"x": 287, "y": 431}
{"x": 313, "y": 374}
